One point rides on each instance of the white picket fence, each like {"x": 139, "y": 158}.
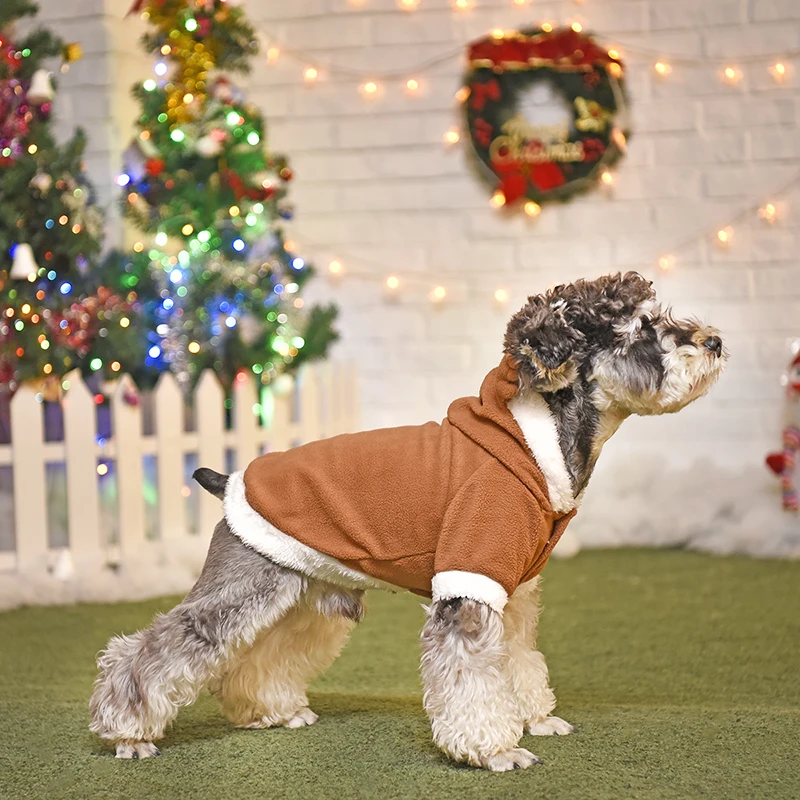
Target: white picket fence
{"x": 135, "y": 524}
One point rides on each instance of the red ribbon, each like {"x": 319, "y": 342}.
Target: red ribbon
{"x": 481, "y": 92}
{"x": 136, "y": 7}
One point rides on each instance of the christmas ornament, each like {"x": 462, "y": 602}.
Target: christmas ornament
{"x": 540, "y": 152}
{"x": 209, "y": 146}
{"x": 41, "y": 89}
{"x": 42, "y": 182}
{"x": 784, "y": 462}
{"x": 24, "y": 264}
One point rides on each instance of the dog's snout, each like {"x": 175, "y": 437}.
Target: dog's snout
{"x": 714, "y": 344}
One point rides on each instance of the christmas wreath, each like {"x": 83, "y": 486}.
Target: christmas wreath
{"x": 522, "y": 157}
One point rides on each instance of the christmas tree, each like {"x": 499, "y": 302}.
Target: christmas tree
{"x": 53, "y": 316}
{"x": 216, "y": 284}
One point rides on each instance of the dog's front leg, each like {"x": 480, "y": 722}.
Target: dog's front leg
{"x": 468, "y": 697}
{"x": 527, "y": 667}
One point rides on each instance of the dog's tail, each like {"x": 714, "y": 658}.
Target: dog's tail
{"x": 211, "y": 481}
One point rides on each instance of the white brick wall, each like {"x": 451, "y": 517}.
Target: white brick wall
{"x": 374, "y": 182}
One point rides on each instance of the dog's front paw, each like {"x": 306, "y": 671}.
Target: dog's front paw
{"x": 518, "y": 758}
{"x": 303, "y": 718}
{"x": 549, "y": 726}
{"x": 130, "y": 749}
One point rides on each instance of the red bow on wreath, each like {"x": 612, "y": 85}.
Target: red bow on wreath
{"x": 481, "y": 92}
{"x": 515, "y": 175}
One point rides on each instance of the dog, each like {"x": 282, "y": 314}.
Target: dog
{"x": 269, "y": 611}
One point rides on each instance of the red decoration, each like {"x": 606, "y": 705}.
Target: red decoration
{"x": 536, "y": 159}
{"x": 155, "y": 166}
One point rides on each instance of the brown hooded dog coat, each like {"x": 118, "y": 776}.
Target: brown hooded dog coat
{"x": 459, "y": 508}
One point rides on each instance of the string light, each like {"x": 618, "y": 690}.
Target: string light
{"x": 498, "y": 199}
{"x": 439, "y": 293}
{"x": 724, "y": 236}
{"x": 769, "y": 212}
{"x": 778, "y": 71}
{"x": 501, "y": 295}
{"x": 335, "y": 267}
{"x": 370, "y": 88}
{"x": 606, "y": 177}
{"x": 498, "y": 33}
{"x": 393, "y": 283}
{"x": 732, "y": 75}
{"x": 412, "y": 85}
{"x": 452, "y": 137}
{"x": 577, "y": 27}
{"x": 532, "y": 209}
{"x": 666, "y": 262}
{"x": 310, "y": 75}
{"x": 662, "y": 68}
{"x": 547, "y": 27}
{"x": 273, "y": 54}
{"x": 461, "y": 5}
{"x": 613, "y": 54}
{"x": 408, "y": 5}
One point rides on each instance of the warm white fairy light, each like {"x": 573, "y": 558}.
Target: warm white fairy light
{"x": 408, "y": 5}
{"x": 498, "y": 33}
{"x": 452, "y": 137}
{"x": 607, "y": 177}
{"x": 732, "y": 75}
{"x": 612, "y": 53}
{"x": 369, "y": 89}
{"x": 577, "y": 27}
{"x": 438, "y": 294}
{"x": 273, "y": 54}
{"x": 724, "y": 236}
{"x": 778, "y": 71}
{"x": 547, "y": 27}
{"x": 461, "y": 5}
{"x": 532, "y": 209}
{"x": 662, "y": 68}
{"x": 666, "y": 262}
{"x": 311, "y": 74}
{"x": 462, "y": 95}
{"x": 501, "y": 296}
{"x": 768, "y": 212}
{"x": 521, "y": 2}
{"x": 498, "y": 199}
{"x": 412, "y": 85}
{"x": 335, "y": 267}
{"x": 393, "y": 283}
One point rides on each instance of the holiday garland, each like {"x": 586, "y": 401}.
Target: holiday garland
{"x": 521, "y": 157}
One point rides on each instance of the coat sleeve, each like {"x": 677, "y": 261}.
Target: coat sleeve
{"x": 493, "y": 532}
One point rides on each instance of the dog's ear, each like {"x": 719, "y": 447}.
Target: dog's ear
{"x": 540, "y": 339}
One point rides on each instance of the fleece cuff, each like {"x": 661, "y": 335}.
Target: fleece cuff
{"x": 470, "y": 585}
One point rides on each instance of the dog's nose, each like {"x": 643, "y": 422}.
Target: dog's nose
{"x": 714, "y": 344}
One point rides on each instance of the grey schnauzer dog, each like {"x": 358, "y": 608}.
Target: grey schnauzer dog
{"x": 256, "y": 632}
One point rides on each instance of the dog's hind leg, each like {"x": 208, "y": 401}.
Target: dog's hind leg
{"x": 145, "y": 678}
{"x": 527, "y": 668}
{"x": 265, "y": 685}
{"x": 468, "y": 695}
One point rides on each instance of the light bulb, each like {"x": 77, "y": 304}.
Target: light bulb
{"x": 724, "y": 235}
{"x": 732, "y": 75}
{"x": 452, "y": 137}
{"x": 607, "y": 177}
{"x": 769, "y": 212}
{"x": 778, "y": 71}
{"x": 662, "y": 68}
{"x": 412, "y": 85}
{"x": 577, "y": 27}
{"x": 613, "y": 54}
{"x": 439, "y": 294}
{"x": 462, "y": 4}
{"x": 501, "y": 295}
{"x": 498, "y": 199}
{"x": 335, "y": 267}
{"x": 392, "y": 282}
{"x": 666, "y": 262}
{"x": 547, "y": 27}
{"x": 370, "y": 88}
{"x": 310, "y": 75}
{"x": 532, "y": 209}
{"x": 273, "y": 53}
{"x": 408, "y": 5}
{"x": 498, "y": 33}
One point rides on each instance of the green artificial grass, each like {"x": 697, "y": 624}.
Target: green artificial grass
{"x": 681, "y": 673}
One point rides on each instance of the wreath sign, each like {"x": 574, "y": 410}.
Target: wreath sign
{"x": 530, "y": 161}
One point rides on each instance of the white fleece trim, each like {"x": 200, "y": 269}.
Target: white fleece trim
{"x": 265, "y": 538}
{"x": 541, "y": 434}
{"x": 472, "y": 585}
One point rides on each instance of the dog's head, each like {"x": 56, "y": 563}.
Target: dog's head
{"x": 613, "y": 335}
